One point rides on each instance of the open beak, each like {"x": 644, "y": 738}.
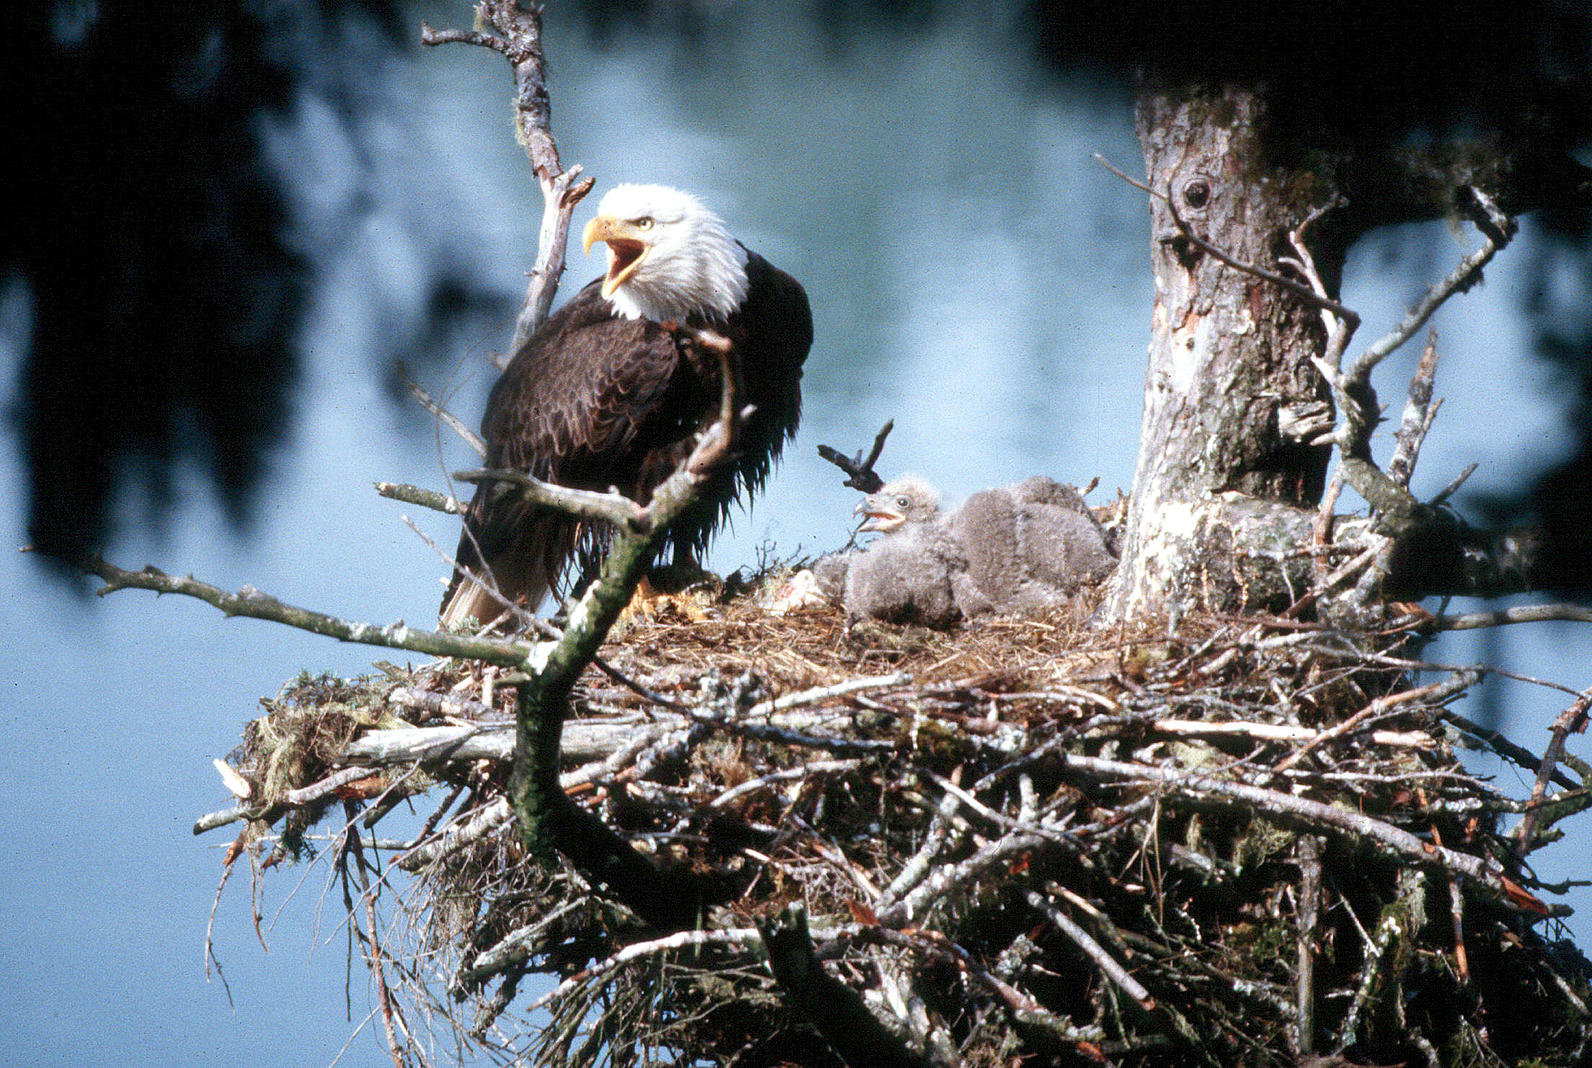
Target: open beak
{"x": 626, "y": 249}
{"x": 875, "y": 520}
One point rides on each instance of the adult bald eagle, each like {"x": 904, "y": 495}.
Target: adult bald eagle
{"x": 608, "y": 394}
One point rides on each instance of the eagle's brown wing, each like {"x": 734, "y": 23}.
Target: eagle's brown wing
{"x": 582, "y": 404}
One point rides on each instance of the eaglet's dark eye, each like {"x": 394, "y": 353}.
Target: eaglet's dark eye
{"x": 903, "y": 501}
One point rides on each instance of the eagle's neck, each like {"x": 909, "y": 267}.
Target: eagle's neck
{"x": 700, "y": 276}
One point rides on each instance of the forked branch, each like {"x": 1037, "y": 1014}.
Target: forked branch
{"x": 860, "y": 474}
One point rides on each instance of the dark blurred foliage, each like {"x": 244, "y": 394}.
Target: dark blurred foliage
{"x": 1361, "y": 68}
{"x": 1364, "y": 76}
{"x": 149, "y": 235}
{"x": 148, "y": 230}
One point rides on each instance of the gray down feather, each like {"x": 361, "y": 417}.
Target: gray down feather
{"x": 1030, "y": 544}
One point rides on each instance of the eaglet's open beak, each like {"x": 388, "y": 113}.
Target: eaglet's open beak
{"x": 626, "y": 248}
{"x": 876, "y": 519}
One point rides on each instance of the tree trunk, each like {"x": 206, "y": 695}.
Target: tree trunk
{"x": 1228, "y": 350}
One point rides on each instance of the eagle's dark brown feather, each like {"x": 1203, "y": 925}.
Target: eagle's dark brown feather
{"x": 594, "y": 401}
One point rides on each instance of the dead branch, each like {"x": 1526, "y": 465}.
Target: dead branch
{"x": 1104, "y": 961}
{"x": 614, "y": 508}
{"x": 1436, "y": 693}
{"x": 1282, "y": 732}
{"x": 1309, "y": 852}
{"x": 1496, "y": 230}
{"x": 251, "y": 603}
{"x": 1419, "y": 411}
{"x": 1313, "y": 815}
{"x": 1571, "y": 720}
{"x": 516, "y": 33}
{"x": 827, "y": 1004}
{"x": 1503, "y": 617}
{"x": 421, "y": 497}
{"x": 860, "y": 474}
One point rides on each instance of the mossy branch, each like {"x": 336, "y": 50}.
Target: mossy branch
{"x": 549, "y": 822}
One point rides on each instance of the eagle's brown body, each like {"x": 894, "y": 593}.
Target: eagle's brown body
{"x": 595, "y": 400}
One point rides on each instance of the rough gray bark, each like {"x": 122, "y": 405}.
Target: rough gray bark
{"x": 1228, "y": 350}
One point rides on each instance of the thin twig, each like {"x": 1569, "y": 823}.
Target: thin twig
{"x": 1572, "y": 720}
{"x": 1299, "y": 289}
{"x": 1104, "y": 961}
{"x": 1453, "y": 487}
{"x": 447, "y": 418}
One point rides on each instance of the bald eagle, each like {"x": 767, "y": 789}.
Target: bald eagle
{"x": 607, "y": 393}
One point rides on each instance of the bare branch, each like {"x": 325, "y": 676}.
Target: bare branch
{"x": 516, "y": 33}
{"x": 1453, "y": 487}
{"x": 1419, "y": 411}
{"x": 1104, "y": 961}
{"x": 251, "y": 603}
{"x": 1496, "y": 230}
{"x": 734, "y": 936}
{"x": 1306, "y": 292}
{"x": 1571, "y": 720}
{"x": 420, "y": 497}
{"x": 860, "y": 474}
{"x": 835, "y": 1009}
{"x": 1433, "y": 693}
{"x": 1502, "y": 617}
{"x": 614, "y": 508}
{"x": 1283, "y": 732}
{"x": 1314, "y": 813}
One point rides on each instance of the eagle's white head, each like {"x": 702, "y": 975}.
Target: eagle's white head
{"x": 668, "y": 256}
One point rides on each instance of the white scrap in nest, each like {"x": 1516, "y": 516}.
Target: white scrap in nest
{"x": 235, "y": 783}
{"x": 799, "y": 593}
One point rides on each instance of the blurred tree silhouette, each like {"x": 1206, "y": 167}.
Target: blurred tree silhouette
{"x": 149, "y": 233}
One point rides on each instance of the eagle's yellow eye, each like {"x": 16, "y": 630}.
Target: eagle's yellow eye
{"x": 644, "y": 223}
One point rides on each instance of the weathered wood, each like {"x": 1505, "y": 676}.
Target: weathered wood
{"x": 1228, "y": 350}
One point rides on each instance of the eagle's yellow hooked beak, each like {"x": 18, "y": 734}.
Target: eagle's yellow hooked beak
{"x": 626, "y": 248}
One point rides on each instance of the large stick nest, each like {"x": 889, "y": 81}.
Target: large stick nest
{"x": 1022, "y": 841}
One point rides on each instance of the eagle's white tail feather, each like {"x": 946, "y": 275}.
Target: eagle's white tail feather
{"x": 474, "y": 599}
{"x": 523, "y": 573}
